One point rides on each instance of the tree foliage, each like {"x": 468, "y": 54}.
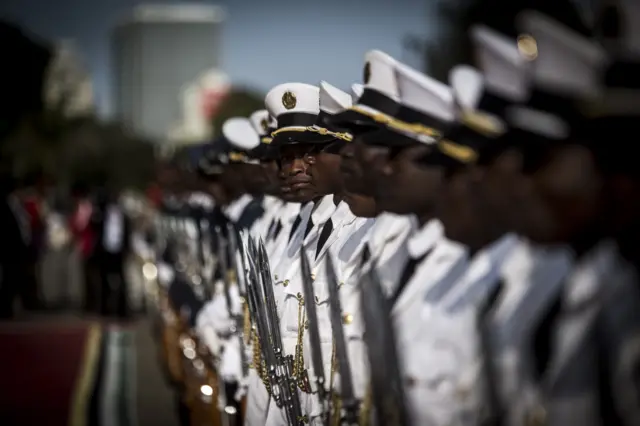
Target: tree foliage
{"x": 240, "y": 102}
{"x": 42, "y": 138}
{"x": 80, "y": 150}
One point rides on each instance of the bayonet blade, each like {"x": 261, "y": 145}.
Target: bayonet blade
{"x": 314, "y": 333}
{"x": 240, "y": 277}
{"x": 236, "y": 255}
{"x": 270, "y": 301}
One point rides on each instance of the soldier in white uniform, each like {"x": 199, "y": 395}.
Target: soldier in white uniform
{"x": 271, "y": 203}
{"x": 216, "y": 325}
{"x": 426, "y": 109}
{"x": 532, "y": 276}
{"x": 441, "y": 367}
{"x": 378, "y": 102}
{"x": 331, "y": 223}
{"x": 343, "y": 238}
{"x": 568, "y": 388}
{"x": 618, "y": 322}
{"x": 308, "y": 164}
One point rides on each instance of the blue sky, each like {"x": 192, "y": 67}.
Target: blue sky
{"x": 306, "y": 41}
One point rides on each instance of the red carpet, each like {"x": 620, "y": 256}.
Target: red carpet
{"x": 41, "y": 367}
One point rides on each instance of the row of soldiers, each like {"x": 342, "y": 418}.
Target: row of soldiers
{"x": 418, "y": 253}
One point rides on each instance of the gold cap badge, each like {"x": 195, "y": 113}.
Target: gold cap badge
{"x": 366, "y": 73}
{"x": 265, "y": 124}
{"x": 528, "y": 47}
{"x": 289, "y": 100}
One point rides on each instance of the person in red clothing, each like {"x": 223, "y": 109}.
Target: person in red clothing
{"x": 85, "y": 235}
{"x": 31, "y": 197}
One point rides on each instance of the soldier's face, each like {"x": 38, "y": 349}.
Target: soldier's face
{"x": 231, "y": 179}
{"x": 406, "y": 185}
{"x": 354, "y": 190}
{"x": 457, "y": 207}
{"x": 253, "y": 178}
{"x": 308, "y": 173}
{"x": 351, "y": 170}
{"x": 569, "y": 197}
{"x": 501, "y": 199}
{"x": 270, "y": 171}
{"x": 217, "y": 191}
{"x": 370, "y": 160}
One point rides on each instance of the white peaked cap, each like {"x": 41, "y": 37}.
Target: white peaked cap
{"x": 240, "y": 133}
{"x": 501, "y": 63}
{"x": 260, "y": 121}
{"x": 273, "y": 123}
{"x": 467, "y": 85}
{"x": 332, "y": 99}
{"x": 566, "y": 62}
{"x": 380, "y": 73}
{"x": 356, "y": 91}
{"x": 630, "y": 19}
{"x": 293, "y": 98}
{"x": 425, "y": 94}
{"x": 628, "y": 14}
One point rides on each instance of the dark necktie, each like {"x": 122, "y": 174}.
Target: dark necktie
{"x": 271, "y": 229}
{"x": 407, "y": 273}
{"x": 277, "y": 230}
{"x": 324, "y": 235}
{"x": 296, "y": 223}
{"x": 366, "y": 255}
{"x": 495, "y": 411}
{"x": 309, "y": 227}
{"x": 543, "y": 337}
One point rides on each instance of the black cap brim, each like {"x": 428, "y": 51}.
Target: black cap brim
{"x": 292, "y": 137}
{"x": 387, "y": 138}
{"x": 353, "y": 121}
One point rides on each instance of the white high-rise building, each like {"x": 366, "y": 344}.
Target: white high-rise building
{"x": 157, "y": 52}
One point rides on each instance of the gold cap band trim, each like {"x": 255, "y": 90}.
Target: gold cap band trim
{"x": 394, "y": 123}
{"x": 315, "y": 129}
{"x": 462, "y": 153}
{"x": 237, "y": 156}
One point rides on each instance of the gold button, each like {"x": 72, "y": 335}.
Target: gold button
{"x": 536, "y": 416}
{"x": 347, "y": 319}
{"x": 340, "y": 284}
{"x": 285, "y": 283}
{"x": 313, "y": 275}
{"x": 275, "y": 278}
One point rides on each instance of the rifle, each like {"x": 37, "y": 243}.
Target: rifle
{"x": 379, "y": 336}
{"x": 350, "y": 403}
{"x": 227, "y": 413}
{"x": 314, "y": 336}
{"x": 283, "y": 363}
{"x": 257, "y": 307}
{"x": 240, "y": 272}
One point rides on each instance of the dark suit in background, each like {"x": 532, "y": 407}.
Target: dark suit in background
{"x": 14, "y": 253}
{"x": 110, "y": 256}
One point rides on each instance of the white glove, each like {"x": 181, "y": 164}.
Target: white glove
{"x": 165, "y": 274}
{"x": 231, "y": 361}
